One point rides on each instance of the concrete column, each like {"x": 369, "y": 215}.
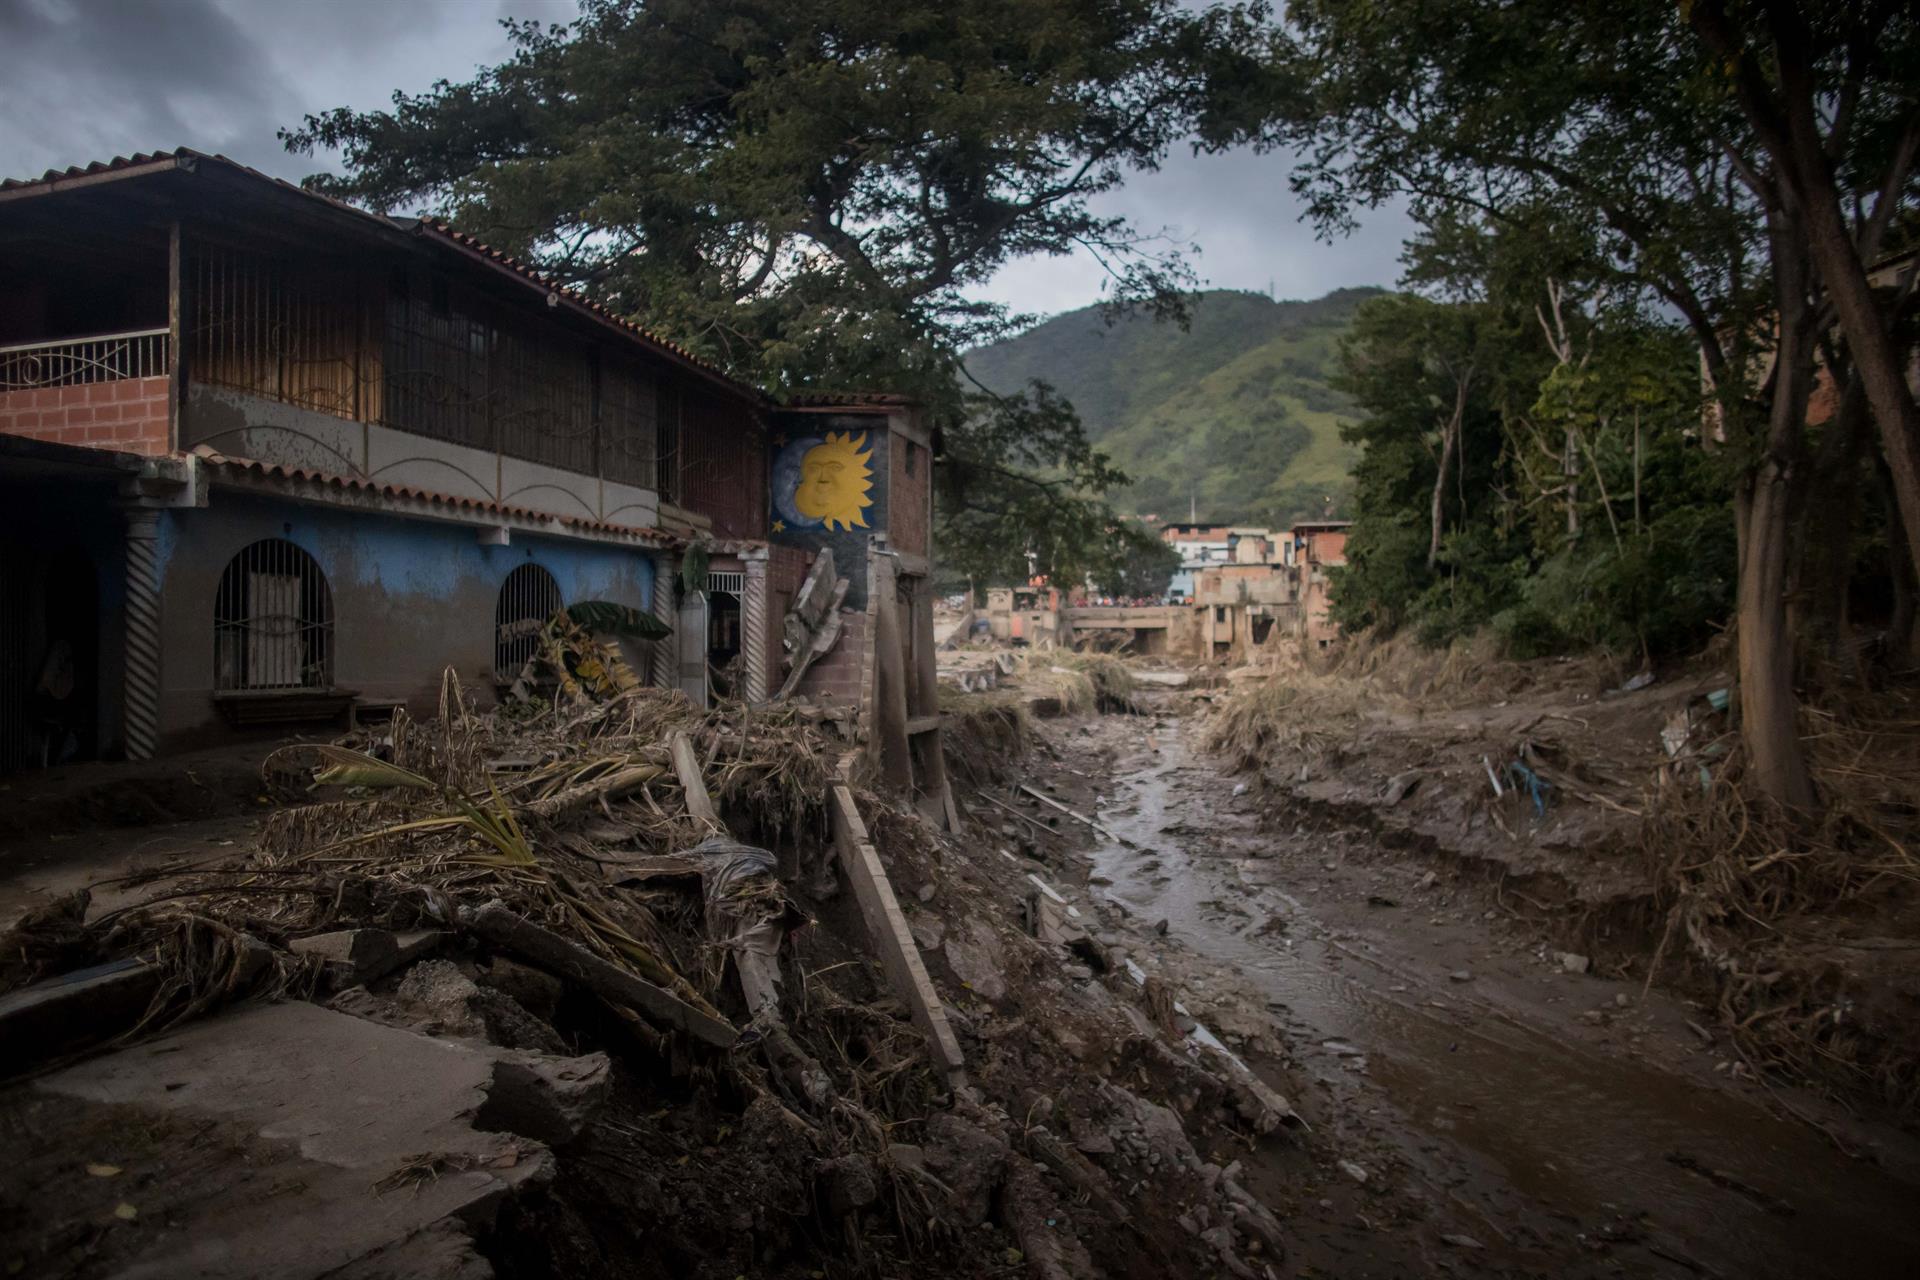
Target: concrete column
{"x": 141, "y": 692}
{"x": 664, "y": 655}
{"x": 755, "y": 626}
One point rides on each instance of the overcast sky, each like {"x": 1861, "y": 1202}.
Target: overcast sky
{"x": 84, "y": 80}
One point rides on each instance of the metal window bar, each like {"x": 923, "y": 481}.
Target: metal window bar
{"x": 78, "y": 362}
{"x": 733, "y": 582}
{"x": 528, "y": 598}
{"x": 272, "y": 621}
{"x": 284, "y": 330}
{"x": 629, "y": 423}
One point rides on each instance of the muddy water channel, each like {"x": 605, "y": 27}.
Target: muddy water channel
{"x": 1463, "y": 1063}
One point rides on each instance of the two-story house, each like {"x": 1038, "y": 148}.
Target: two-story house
{"x": 263, "y": 453}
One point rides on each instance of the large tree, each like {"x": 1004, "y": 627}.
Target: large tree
{"x": 1831, "y": 92}
{"x": 806, "y": 191}
{"x": 1611, "y": 116}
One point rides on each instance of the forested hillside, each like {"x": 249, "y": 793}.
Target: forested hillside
{"x": 1235, "y": 414}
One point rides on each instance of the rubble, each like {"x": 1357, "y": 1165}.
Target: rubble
{"x": 548, "y": 959}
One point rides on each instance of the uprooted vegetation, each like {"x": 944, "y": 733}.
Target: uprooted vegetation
{"x": 815, "y": 1133}
{"x": 1805, "y": 930}
{"x": 1619, "y": 816}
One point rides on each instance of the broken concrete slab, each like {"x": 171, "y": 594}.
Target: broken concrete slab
{"x": 362, "y": 955}
{"x": 376, "y": 1127}
{"x": 47, "y": 1018}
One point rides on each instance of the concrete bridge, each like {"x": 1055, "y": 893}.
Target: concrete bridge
{"x": 1152, "y": 625}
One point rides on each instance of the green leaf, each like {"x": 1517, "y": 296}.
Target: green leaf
{"x": 603, "y": 617}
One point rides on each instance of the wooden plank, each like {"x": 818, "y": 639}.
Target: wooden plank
{"x": 887, "y": 928}
{"x": 930, "y": 754}
{"x": 923, "y": 724}
{"x": 497, "y": 923}
{"x": 687, "y": 766}
{"x": 177, "y": 303}
{"x": 890, "y": 681}
{"x": 1043, "y": 798}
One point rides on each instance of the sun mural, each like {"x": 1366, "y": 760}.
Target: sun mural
{"x": 824, "y": 482}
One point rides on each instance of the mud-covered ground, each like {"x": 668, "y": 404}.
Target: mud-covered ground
{"x": 1479, "y": 1099}
{"x": 1481, "y": 1085}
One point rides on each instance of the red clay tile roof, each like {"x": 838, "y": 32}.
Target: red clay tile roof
{"x": 186, "y": 156}
{"x": 845, "y": 400}
{"x": 465, "y": 505}
{"x": 80, "y": 171}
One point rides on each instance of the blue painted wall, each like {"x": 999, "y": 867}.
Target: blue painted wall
{"x": 410, "y": 597}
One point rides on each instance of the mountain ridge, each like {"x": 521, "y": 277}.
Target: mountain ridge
{"x": 1234, "y": 417}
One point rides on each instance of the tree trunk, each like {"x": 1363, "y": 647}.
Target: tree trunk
{"x": 1764, "y": 505}
{"x": 1570, "y": 469}
{"x": 1823, "y": 562}
{"x": 1638, "y": 528}
{"x": 1768, "y": 723}
{"x": 1903, "y": 628}
{"x": 1449, "y": 439}
{"x": 1903, "y": 633}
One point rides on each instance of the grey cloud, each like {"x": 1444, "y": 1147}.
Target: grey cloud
{"x": 85, "y": 80}
{"x": 1239, "y": 210}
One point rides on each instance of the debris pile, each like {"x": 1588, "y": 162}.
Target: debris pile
{"x": 717, "y": 1059}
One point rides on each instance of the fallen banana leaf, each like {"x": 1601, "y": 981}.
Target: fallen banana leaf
{"x": 349, "y": 768}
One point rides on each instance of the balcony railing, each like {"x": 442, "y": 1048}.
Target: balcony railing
{"x": 75, "y": 362}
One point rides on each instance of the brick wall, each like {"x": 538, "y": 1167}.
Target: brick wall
{"x": 129, "y": 415}
{"x": 840, "y": 678}
{"x": 909, "y": 495}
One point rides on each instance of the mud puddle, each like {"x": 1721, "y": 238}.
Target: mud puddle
{"x": 1539, "y": 1141}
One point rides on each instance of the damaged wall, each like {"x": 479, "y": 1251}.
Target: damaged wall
{"x": 410, "y": 597}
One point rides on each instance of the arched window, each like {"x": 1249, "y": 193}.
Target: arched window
{"x": 273, "y": 621}
{"x": 528, "y": 598}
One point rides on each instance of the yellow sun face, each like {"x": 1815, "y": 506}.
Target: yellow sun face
{"x": 835, "y": 481}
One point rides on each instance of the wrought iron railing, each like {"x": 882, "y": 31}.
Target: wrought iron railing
{"x": 74, "y": 362}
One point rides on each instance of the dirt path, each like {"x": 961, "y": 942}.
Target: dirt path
{"x": 1507, "y": 1115}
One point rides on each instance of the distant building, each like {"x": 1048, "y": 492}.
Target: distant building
{"x": 1199, "y": 545}
{"x": 1312, "y": 547}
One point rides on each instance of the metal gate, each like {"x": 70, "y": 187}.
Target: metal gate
{"x": 272, "y": 621}
{"x": 528, "y": 598}
{"x": 16, "y": 672}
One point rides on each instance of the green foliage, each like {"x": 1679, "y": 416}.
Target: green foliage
{"x": 604, "y": 617}
{"x": 1664, "y": 592}
{"x": 1140, "y": 565}
{"x": 1653, "y": 579}
{"x": 1017, "y": 492}
{"x": 1235, "y": 415}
